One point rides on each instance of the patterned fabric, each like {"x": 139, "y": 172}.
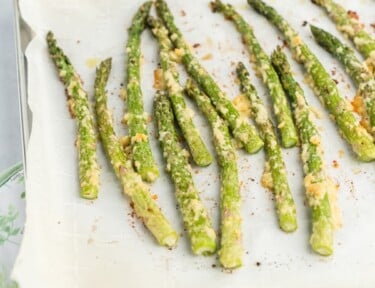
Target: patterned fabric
{"x": 12, "y": 217}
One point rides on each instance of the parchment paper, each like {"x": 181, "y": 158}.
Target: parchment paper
{"x": 70, "y": 242}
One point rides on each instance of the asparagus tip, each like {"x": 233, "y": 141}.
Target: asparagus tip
{"x": 215, "y": 5}
{"x": 106, "y": 63}
{"x": 49, "y": 34}
{"x": 314, "y": 30}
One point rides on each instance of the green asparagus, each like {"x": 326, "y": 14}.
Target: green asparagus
{"x": 348, "y": 23}
{"x": 285, "y": 206}
{"x": 319, "y": 189}
{"x": 79, "y": 108}
{"x": 360, "y": 74}
{"x": 323, "y": 85}
{"x": 195, "y": 216}
{"x": 288, "y": 133}
{"x": 136, "y": 118}
{"x": 231, "y": 250}
{"x": 183, "y": 114}
{"x": 138, "y": 192}
{"x": 241, "y": 130}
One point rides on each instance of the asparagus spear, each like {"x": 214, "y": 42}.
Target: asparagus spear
{"x": 138, "y": 192}
{"x": 348, "y": 23}
{"x": 288, "y": 133}
{"x": 319, "y": 188}
{"x": 231, "y": 250}
{"x": 183, "y": 114}
{"x": 136, "y": 118}
{"x": 79, "y": 109}
{"x": 285, "y": 206}
{"x": 197, "y": 222}
{"x": 241, "y": 130}
{"x": 360, "y": 74}
{"x": 323, "y": 85}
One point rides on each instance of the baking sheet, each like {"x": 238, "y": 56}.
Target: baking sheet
{"x": 70, "y": 242}
{"x": 23, "y": 36}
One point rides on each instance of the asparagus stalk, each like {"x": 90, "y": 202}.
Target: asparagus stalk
{"x": 241, "y": 130}
{"x": 183, "y": 114}
{"x": 231, "y": 250}
{"x": 323, "y": 85}
{"x": 319, "y": 188}
{"x": 143, "y": 161}
{"x": 360, "y": 74}
{"x": 144, "y": 206}
{"x": 79, "y": 108}
{"x": 285, "y": 206}
{"x": 348, "y": 23}
{"x": 288, "y": 133}
{"x": 197, "y": 222}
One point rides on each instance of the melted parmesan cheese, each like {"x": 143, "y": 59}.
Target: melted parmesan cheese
{"x": 242, "y": 104}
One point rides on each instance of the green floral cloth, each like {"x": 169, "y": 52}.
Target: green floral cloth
{"x": 12, "y": 218}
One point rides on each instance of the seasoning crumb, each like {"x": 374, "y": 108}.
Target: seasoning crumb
{"x": 258, "y": 264}
{"x": 242, "y": 104}
{"x": 341, "y": 153}
{"x": 213, "y": 265}
{"x": 196, "y": 45}
{"x": 304, "y": 23}
{"x": 182, "y": 13}
{"x": 337, "y": 82}
{"x": 207, "y": 57}
{"x": 356, "y": 171}
{"x": 91, "y": 62}
{"x": 94, "y": 228}
{"x": 123, "y": 94}
{"x": 353, "y": 14}
{"x": 335, "y": 164}
{"x": 159, "y": 82}
{"x": 373, "y": 25}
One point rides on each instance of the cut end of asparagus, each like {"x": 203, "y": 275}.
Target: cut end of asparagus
{"x": 170, "y": 241}
{"x": 203, "y": 245}
{"x": 322, "y": 237}
{"x": 288, "y": 222}
{"x": 322, "y": 249}
{"x": 203, "y": 159}
{"x": 89, "y": 195}
{"x": 365, "y": 153}
{"x": 252, "y": 143}
{"x": 231, "y": 257}
{"x": 289, "y": 142}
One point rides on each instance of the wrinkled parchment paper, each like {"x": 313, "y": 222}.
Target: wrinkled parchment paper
{"x": 70, "y": 242}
